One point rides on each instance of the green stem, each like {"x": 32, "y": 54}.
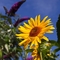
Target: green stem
{"x": 41, "y": 56}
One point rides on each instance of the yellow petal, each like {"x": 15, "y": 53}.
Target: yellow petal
{"x": 48, "y": 28}
{"x": 38, "y": 40}
{"x": 22, "y": 42}
{"x": 21, "y": 35}
{"x": 30, "y": 23}
{"x": 44, "y": 19}
{"x": 32, "y": 43}
{"x": 51, "y": 27}
{"x": 26, "y": 44}
{"x": 21, "y": 27}
{"x": 24, "y": 30}
{"x": 44, "y": 37}
{"x": 26, "y": 25}
{"x": 38, "y": 20}
{"x": 49, "y": 31}
{"x": 47, "y": 22}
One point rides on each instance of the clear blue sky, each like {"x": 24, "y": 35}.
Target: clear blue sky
{"x": 31, "y": 8}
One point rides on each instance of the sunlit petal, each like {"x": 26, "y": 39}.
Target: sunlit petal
{"x": 39, "y": 40}
{"x": 44, "y": 37}
{"x": 44, "y": 19}
{"x": 26, "y": 25}
{"x": 38, "y": 20}
{"x": 22, "y": 42}
{"x": 30, "y": 23}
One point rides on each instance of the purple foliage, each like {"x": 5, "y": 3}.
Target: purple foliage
{"x": 30, "y": 58}
{"x": 5, "y": 56}
{"x": 20, "y": 20}
{"x": 15, "y": 7}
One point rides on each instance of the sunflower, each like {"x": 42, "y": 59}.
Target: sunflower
{"x": 36, "y": 55}
{"x": 33, "y": 32}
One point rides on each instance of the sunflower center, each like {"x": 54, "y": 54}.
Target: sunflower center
{"x": 35, "y": 31}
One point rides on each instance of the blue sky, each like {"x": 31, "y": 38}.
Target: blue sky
{"x": 31, "y": 8}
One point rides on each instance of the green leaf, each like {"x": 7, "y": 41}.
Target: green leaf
{"x": 19, "y": 49}
{"x": 0, "y": 53}
{"x": 14, "y": 49}
{"x": 3, "y": 17}
{"x": 9, "y": 19}
{"x": 56, "y": 50}
{"x": 53, "y": 42}
{"x": 58, "y": 29}
{"x": 29, "y": 50}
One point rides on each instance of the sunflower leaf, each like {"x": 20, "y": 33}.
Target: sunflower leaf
{"x": 29, "y": 50}
{"x": 0, "y": 53}
{"x": 58, "y": 29}
{"x": 56, "y": 50}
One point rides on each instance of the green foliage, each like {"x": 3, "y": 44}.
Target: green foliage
{"x": 3, "y": 17}
{"x": 29, "y": 50}
{"x": 58, "y": 29}
{"x": 0, "y": 53}
{"x": 45, "y": 48}
{"x": 8, "y": 41}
